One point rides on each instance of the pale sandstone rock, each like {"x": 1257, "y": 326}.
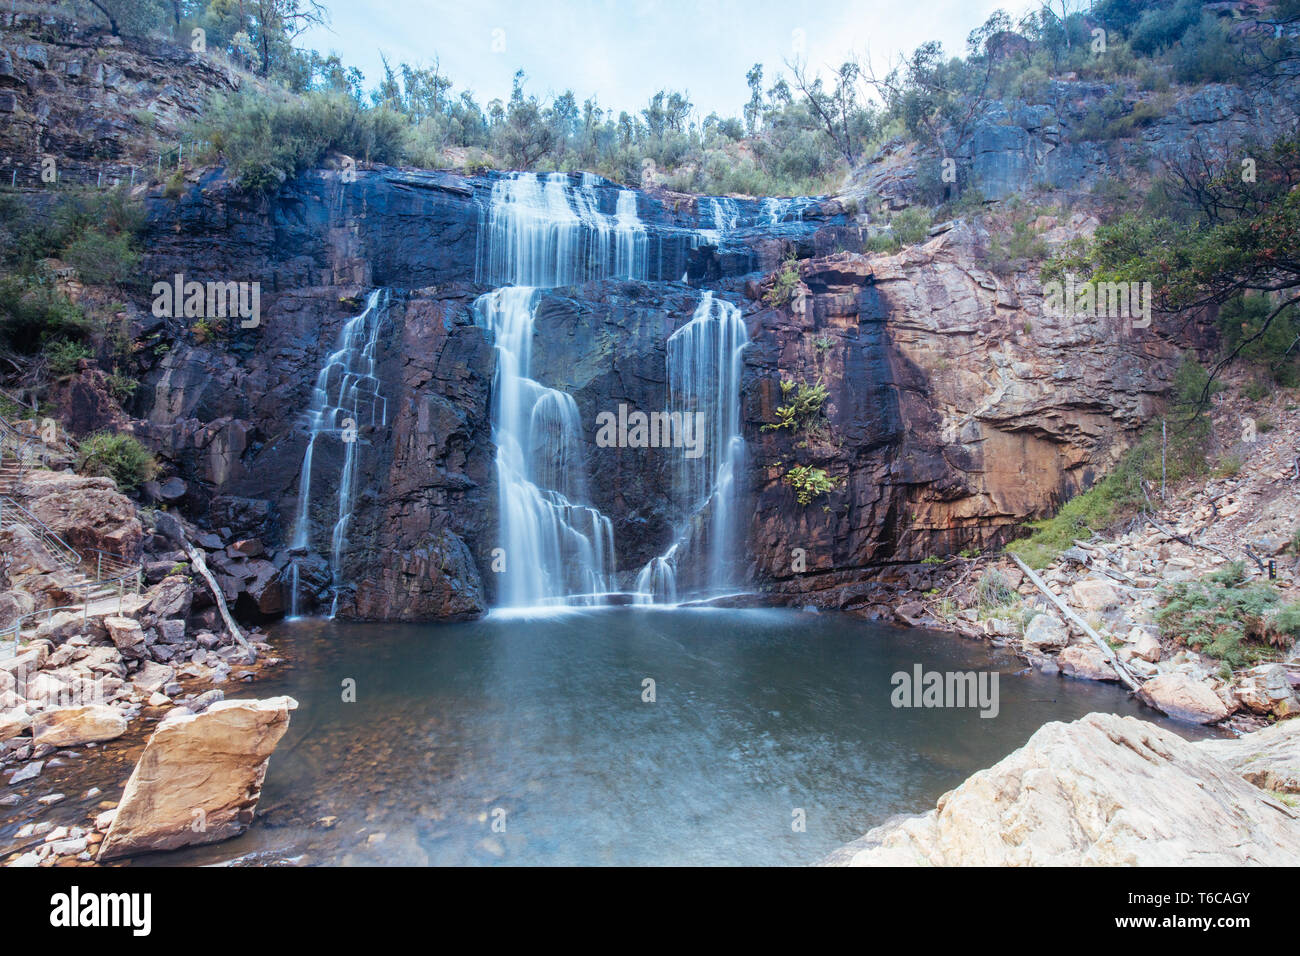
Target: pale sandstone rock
{"x": 127, "y": 636}
{"x": 212, "y": 762}
{"x": 152, "y": 677}
{"x": 1183, "y": 697}
{"x": 1268, "y": 758}
{"x": 1086, "y": 662}
{"x": 1101, "y": 791}
{"x": 1266, "y": 690}
{"x": 1093, "y": 594}
{"x": 1045, "y": 631}
{"x": 14, "y": 722}
{"x": 70, "y": 726}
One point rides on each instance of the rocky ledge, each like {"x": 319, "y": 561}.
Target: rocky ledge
{"x": 1109, "y": 791}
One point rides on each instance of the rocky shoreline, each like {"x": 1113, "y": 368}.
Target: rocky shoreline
{"x": 96, "y": 670}
{"x": 1109, "y": 791}
{"x": 1117, "y": 585}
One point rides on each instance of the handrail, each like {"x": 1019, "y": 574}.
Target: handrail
{"x": 46, "y": 535}
{"x": 109, "y": 570}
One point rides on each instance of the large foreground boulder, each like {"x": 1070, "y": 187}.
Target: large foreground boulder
{"x": 199, "y": 778}
{"x": 1268, "y": 758}
{"x": 1102, "y": 791}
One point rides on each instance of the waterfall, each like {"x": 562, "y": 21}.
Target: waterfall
{"x": 789, "y": 209}
{"x": 557, "y": 549}
{"x": 538, "y": 232}
{"x": 345, "y": 399}
{"x": 704, "y": 369}
{"x": 545, "y": 231}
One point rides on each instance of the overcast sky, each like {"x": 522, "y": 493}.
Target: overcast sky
{"x": 622, "y": 51}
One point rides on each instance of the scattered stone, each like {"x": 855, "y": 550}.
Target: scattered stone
{"x": 1266, "y": 690}
{"x": 1085, "y": 662}
{"x": 127, "y": 635}
{"x": 1182, "y": 697}
{"x": 29, "y": 772}
{"x": 1093, "y": 594}
{"x": 1045, "y": 631}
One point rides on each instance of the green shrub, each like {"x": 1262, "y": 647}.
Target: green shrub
{"x": 33, "y": 311}
{"x": 122, "y": 387}
{"x": 994, "y": 590}
{"x": 911, "y": 225}
{"x": 1219, "y": 615}
{"x": 174, "y": 188}
{"x": 803, "y": 407}
{"x": 1285, "y": 621}
{"x": 116, "y": 456}
{"x": 784, "y": 284}
{"x": 883, "y": 242}
{"x": 809, "y": 482}
{"x": 62, "y": 356}
{"x": 102, "y": 259}
{"x": 266, "y": 140}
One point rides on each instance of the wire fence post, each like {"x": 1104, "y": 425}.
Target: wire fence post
{"x": 1162, "y": 459}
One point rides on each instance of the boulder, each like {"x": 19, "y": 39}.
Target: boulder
{"x": 1144, "y": 646}
{"x": 1183, "y": 697}
{"x": 1094, "y": 594}
{"x": 1045, "y": 631}
{"x": 1101, "y": 791}
{"x": 87, "y": 513}
{"x": 152, "y": 677}
{"x": 14, "y": 722}
{"x": 1268, "y": 758}
{"x": 71, "y": 726}
{"x": 199, "y": 778}
{"x": 171, "y": 598}
{"x": 1085, "y": 662}
{"x": 127, "y": 636}
{"x": 1266, "y": 690}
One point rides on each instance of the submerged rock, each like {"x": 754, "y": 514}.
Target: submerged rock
{"x": 199, "y": 778}
{"x": 1102, "y": 791}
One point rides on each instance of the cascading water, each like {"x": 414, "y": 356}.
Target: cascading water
{"x": 545, "y": 232}
{"x": 346, "y": 398}
{"x": 704, "y": 369}
{"x": 557, "y": 550}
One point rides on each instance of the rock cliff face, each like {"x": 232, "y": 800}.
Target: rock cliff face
{"x": 955, "y": 409}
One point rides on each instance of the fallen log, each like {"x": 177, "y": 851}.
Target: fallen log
{"x": 1120, "y": 668}
{"x": 199, "y": 564}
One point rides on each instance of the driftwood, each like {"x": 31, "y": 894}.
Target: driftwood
{"x": 1184, "y": 539}
{"x": 1120, "y": 668}
{"x": 200, "y": 565}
